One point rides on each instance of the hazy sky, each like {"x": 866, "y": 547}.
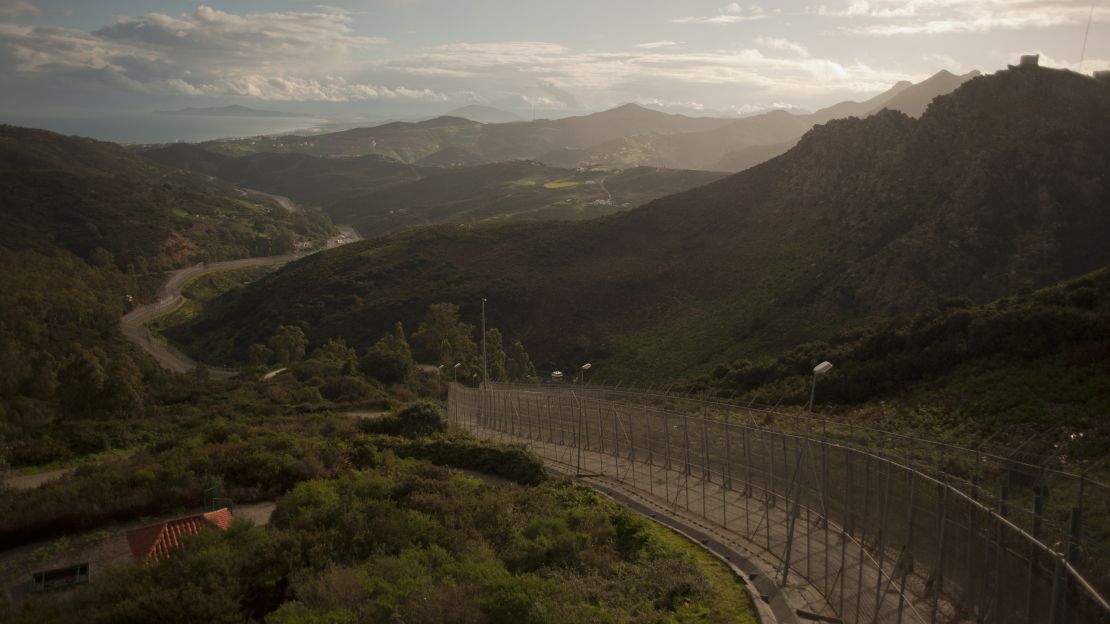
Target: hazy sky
{"x": 391, "y": 56}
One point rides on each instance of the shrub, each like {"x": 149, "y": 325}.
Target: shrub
{"x": 415, "y": 420}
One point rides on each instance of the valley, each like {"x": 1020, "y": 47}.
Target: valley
{"x": 626, "y": 365}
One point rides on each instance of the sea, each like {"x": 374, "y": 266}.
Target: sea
{"x": 147, "y": 127}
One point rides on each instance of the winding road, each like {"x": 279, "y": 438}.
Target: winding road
{"x": 133, "y": 324}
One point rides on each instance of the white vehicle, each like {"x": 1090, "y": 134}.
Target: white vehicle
{"x": 557, "y": 376}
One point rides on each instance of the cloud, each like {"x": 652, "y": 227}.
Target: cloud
{"x": 782, "y": 44}
{"x": 653, "y": 45}
{"x": 315, "y": 55}
{"x": 274, "y": 56}
{"x": 943, "y": 60}
{"x": 933, "y": 17}
{"x": 17, "y": 8}
{"x": 731, "y": 13}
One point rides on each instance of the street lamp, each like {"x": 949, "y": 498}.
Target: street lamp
{"x": 485, "y": 368}
{"x": 820, "y": 369}
{"x": 455, "y": 369}
{"x": 582, "y": 372}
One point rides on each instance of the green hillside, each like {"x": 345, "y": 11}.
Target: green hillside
{"x": 378, "y": 195}
{"x": 996, "y": 188}
{"x": 412, "y": 141}
{"x": 83, "y": 196}
{"x": 307, "y": 180}
{"x": 86, "y": 229}
{"x": 1039, "y": 357}
{"x": 511, "y": 191}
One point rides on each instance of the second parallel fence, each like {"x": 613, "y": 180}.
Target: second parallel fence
{"x": 879, "y": 539}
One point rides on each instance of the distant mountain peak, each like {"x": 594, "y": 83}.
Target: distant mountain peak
{"x": 483, "y": 114}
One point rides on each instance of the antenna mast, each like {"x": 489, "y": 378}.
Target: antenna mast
{"x": 1086, "y": 33}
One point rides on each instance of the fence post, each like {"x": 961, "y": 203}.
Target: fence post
{"x": 938, "y": 574}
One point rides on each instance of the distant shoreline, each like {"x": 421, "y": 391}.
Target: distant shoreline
{"x": 230, "y": 111}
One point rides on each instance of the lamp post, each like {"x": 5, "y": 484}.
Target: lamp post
{"x": 485, "y": 368}
{"x": 582, "y": 372}
{"x": 820, "y": 369}
{"x": 455, "y": 370}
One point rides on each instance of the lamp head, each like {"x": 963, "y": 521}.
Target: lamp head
{"x": 822, "y": 368}
{"x": 586, "y": 366}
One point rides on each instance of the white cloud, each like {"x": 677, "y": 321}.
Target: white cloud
{"x": 652, "y": 45}
{"x": 272, "y": 56}
{"x": 782, "y": 44}
{"x": 17, "y": 8}
{"x": 731, "y": 13}
{"x": 931, "y": 17}
{"x": 317, "y": 56}
{"x": 723, "y": 18}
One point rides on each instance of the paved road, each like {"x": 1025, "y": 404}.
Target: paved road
{"x": 282, "y": 200}
{"x": 133, "y": 324}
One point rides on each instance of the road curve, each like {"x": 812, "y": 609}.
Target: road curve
{"x": 282, "y": 200}
{"x": 133, "y": 324}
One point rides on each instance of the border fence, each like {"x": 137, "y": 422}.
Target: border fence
{"x": 885, "y": 528}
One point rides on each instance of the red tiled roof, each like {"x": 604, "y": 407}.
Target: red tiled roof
{"x": 151, "y": 543}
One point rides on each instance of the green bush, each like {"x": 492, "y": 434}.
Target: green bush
{"x": 419, "y": 419}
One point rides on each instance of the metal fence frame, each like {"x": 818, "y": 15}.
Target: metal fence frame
{"x": 883, "y": 533}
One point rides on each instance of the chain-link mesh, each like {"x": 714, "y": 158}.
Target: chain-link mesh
{"x": 900, "y": 531}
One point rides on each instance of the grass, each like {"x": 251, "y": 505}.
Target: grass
{"x": 199, "y": 291}
{"x": 729, "y": 596}
{"x": 91, "y": 458}
{"x": 560, "y": 184}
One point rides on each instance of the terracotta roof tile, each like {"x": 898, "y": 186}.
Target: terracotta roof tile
{"x": 151, "y": 543}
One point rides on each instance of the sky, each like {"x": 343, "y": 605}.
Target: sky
{"x": 392, "y": 57}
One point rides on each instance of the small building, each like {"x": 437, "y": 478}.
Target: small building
{"x": 61, "y": 578}
{"x": 151, "y": 543}
{"x": 1030, "y": 60}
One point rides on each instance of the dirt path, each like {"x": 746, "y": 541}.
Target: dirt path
{"x": 34, "y": 479}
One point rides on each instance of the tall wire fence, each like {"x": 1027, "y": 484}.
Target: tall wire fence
{"x": 885, "y": 528}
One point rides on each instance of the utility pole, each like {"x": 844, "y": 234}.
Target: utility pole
{"x": 485, "y": 367}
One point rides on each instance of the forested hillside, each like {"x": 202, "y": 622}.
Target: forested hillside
{"x": 90, "y": 197}
{"x": 996, "y": 188}
{"x": 86, "y": 230}
{"x": 1040, "y": 357}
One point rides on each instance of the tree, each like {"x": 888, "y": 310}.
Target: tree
{"x": 390, "y": 359}
{"x": 495, "y": 355}
{"x": 259, "y": 355}
{"x": 337, "y": 354}
{"x": 124, "y": 391}
{"x": 443, "y": 336}
{"x": 519, "y": 365}
{"x": 288, "y": 344}
{"x": 82, "y": 380}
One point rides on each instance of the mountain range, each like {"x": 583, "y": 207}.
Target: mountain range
{"x": 627, "y": 136}
{"x": 997, "y": 187}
